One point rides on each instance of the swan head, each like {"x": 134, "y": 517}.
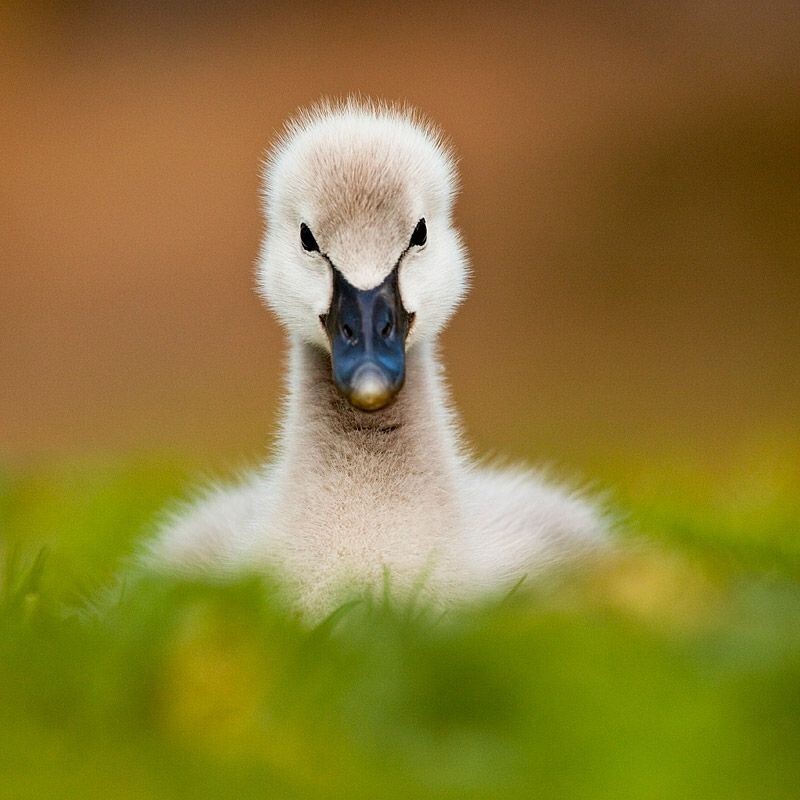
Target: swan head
{"x": 361, "y": 256}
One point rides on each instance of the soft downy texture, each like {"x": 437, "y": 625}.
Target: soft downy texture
{"x": 353, "y": 500}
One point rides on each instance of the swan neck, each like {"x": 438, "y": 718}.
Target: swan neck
{"x": 416, "y": 424}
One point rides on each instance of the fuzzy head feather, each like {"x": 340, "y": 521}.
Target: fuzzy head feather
{"x": 360, "y": 176}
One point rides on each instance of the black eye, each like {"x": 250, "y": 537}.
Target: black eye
{"x": 307, "y": 239}
{"x": 420, "y": 235}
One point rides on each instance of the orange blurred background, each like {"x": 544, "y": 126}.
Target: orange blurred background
{"x": 630, "y": 197}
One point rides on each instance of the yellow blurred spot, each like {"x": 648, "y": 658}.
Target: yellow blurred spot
{"x": 657, "y": 586}
{"x": 215, "y": 682}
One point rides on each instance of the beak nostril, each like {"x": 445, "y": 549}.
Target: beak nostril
{"x": 387, "y": 329}
{"x": 347, "y": 331}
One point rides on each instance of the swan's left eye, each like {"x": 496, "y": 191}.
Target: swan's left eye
{"x": 307, "y": 239}
{"x": 420, "y": 235}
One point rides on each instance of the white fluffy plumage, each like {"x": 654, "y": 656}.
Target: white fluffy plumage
{"x": 352, "y": 496}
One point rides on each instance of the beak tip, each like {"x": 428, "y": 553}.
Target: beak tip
{"x": 370, "y": 390}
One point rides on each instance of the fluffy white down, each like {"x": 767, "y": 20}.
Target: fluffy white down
{"x": 352, "y": 497}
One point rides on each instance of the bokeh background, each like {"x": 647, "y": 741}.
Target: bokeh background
{"x": 631, "y": 201}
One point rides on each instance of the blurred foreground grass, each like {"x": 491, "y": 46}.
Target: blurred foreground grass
{"x": 671, "y": 671}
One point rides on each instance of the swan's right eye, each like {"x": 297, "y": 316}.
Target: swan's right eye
{"x": 307, "y": 239}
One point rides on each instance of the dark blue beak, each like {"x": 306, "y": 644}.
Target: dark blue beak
{"x": 367, "y": 330}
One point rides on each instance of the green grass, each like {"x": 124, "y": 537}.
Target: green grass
{"x": 670, "y": 671}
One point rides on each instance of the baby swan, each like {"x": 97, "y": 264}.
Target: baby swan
{"x": 363, "y": 266}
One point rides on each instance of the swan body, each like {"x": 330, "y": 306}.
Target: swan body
{"x": 370, "y": 481}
